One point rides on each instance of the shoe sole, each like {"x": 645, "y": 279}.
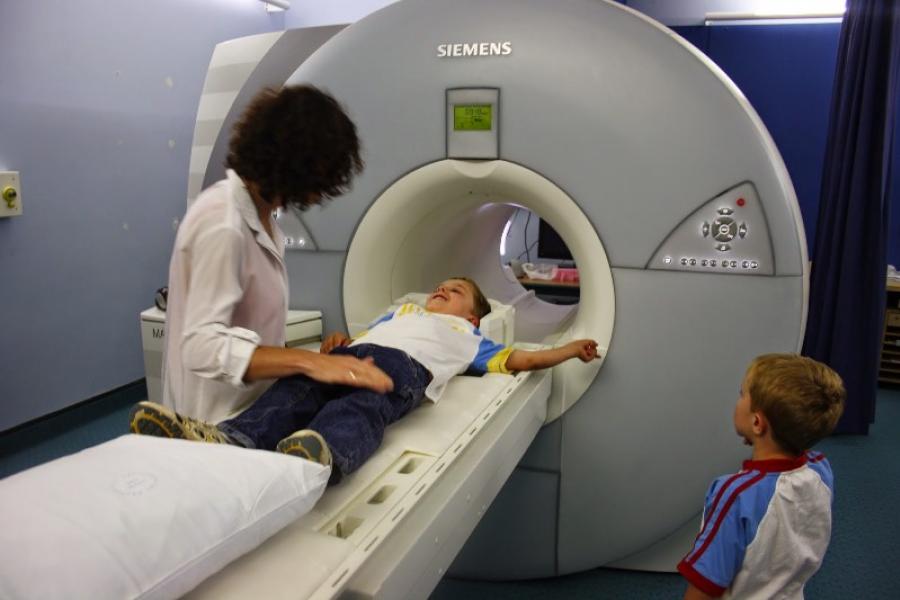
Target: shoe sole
{"x": 296, "y": 446}
{"x": 148, "y": 420}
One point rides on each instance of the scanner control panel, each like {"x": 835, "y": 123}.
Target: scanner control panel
{"x": 728, "y": 234}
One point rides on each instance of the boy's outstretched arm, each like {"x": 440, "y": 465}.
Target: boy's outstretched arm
{"x": 529, "y": 360}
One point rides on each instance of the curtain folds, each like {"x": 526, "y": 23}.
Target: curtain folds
{"x": 847, "y": 287}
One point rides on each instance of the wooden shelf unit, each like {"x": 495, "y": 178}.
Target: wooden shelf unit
{"x": 889, "y": 367}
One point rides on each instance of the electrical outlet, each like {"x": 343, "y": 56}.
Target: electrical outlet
{"x": 10, "y": 194}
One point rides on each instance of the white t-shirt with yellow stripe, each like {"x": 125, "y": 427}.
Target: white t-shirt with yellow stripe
{"x": 446, "y": 345}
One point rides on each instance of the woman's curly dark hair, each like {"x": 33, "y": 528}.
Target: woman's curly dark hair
{"x": 297, "y": 144}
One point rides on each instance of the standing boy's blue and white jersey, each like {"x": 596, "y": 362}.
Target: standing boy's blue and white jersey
{"x": 765, "y": 529}
{"x": 444, "y": 344}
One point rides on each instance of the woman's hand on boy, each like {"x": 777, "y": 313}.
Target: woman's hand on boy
{"x": 352, "y": 371}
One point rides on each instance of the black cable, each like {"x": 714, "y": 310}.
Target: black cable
{"x": 525, "y": 251}
{"x": 525, "y": 238}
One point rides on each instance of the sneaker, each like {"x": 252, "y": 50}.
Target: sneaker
{"x": 149, "y": 418}
{"x": 307, "y": 444}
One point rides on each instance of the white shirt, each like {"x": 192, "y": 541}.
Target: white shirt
{"x": 227, "y": 295}
{"x": 446, "y": 345}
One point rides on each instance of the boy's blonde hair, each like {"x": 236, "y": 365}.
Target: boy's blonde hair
{"x": 482, "y": 306}
{"x": 801, "y": 398}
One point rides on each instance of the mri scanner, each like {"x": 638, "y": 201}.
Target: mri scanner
{"x": 681, "y": 217}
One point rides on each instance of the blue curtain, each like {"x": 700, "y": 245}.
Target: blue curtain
{"x": 847, "y": 287}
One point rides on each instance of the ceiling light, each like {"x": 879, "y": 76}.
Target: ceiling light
{"x": 276, "y": 5}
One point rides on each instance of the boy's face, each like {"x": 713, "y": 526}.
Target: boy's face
{"x": 745, "y": 419}
{"x": 453, "y": 297}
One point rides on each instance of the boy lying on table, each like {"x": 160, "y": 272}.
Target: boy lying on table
{"x": 421, "y": 349}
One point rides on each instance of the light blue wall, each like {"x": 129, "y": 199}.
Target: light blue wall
{"x": 97, "y": 106}
{"x": 331, "y": 12}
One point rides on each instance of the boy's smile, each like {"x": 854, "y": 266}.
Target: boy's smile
{"x": 453, "y": 297}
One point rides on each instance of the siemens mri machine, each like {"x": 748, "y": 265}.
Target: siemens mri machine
{"x": 678, "y": 211}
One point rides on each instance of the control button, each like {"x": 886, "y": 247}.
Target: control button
{"x": 724, "y": 229}
{"x": 734, "y": 264}
{"x": 684, "y": 261}
{"x": 725, "y": 211}
{"x": 704, "y": 262}
{"x": 745, "y": 264}
{"x": 712, "y": 262}
{"x": 754, "y": 264}
{"x": 723, "y": 247}
{"x": 742, "y": 230}
{"x": 705, "y": 229}
{"x": 693, "y": 261}
{"x": 667, "y": 260}
{"x": 740, "y": 202}
{"x": 724, "y": 264}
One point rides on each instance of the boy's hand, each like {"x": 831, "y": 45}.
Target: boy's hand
{"x": 584, "y": 350}
{"x": 333, "y": 341}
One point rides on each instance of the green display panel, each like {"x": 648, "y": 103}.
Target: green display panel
{"x": 472, "y": 117}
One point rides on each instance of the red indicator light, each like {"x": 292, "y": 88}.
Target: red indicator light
{"x": 741, "y": 202}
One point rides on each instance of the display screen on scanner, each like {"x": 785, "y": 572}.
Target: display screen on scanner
{"x": 472, "y": 117}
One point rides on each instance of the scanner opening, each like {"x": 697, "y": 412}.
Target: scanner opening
{"x": 447, "y": 219}
{"x": 537, "y": 256}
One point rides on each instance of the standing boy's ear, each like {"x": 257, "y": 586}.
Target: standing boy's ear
{"x": 760, "y": 424}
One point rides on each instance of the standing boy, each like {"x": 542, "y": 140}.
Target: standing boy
{"x": 766, "y": 528}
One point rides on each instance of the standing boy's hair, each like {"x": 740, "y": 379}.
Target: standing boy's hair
{"x": 482, "y": 306}
{"x": 294, "y": 142}
{"x": 801, "y": 398}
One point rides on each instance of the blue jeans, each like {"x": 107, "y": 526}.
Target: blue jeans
{"x": 352, "y": 420}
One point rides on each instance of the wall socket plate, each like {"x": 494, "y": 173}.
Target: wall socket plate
{"x": 10, "y": 179}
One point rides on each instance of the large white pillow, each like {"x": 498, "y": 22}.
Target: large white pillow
{"x": 144, "y": 517}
